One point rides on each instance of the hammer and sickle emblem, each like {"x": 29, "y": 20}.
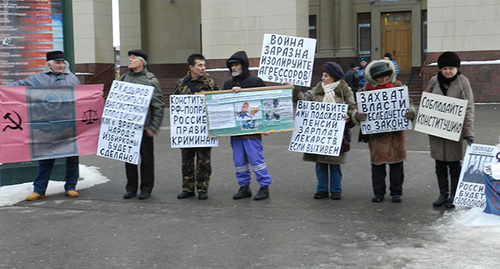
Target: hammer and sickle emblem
{"x": 17, "y": 124}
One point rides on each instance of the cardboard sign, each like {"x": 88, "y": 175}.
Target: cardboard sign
{"x": 287, "y": 59}
{"x": 123, "y": 120}
{"x": 385, "y": 110}
{"x": 188, "y": 122}
{"x": 470, "y": 189}
{"x": 441, "y": 116}
{"x": 319, "y": 128}
{"x": 251, "y": 111}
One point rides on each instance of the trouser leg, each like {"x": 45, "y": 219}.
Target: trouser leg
{"x": 378, "y": 179}
{"x": 322, "y": 176}
{"x": 396, "y": 177}
{"x": 42, "y": 176}
{"x": 71, "y": 173}
{"x": 188, "y": 169}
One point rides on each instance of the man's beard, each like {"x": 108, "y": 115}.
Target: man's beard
{"x": 236, "y": 73}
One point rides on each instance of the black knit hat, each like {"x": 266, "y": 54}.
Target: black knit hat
{"x": 448, "y": 58}
{"x": 139, "y": 53}
{"x": 56, "y": 55}
{"x": 334, "y": 70}
{"x": 380, "y": 69}
{"x": 388, "y": 55}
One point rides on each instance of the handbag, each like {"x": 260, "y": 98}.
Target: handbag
{"x": 346, "y": 140}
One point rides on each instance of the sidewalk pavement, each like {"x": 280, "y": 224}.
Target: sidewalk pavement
{"x": 289, "y": 230}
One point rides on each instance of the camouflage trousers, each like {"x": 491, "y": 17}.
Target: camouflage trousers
{"x": 198, "y": 175}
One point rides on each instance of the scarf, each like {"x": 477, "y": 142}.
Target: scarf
{"x": 330, "y": 91}
{"x": 384, "y": 86}
{"x": 444, "y": 83}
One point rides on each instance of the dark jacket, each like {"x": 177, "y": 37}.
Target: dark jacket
{"x": 157, "y": 106}
{"x": 244, "y": 80}
{"x": 204, "y": 83}
{"x": 352, "y": 79}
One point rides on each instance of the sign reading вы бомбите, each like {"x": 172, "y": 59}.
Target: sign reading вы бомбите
{"x": 287, "y": 59}
{"x": 319, "y": 128}
{"x": 123, "y": 120}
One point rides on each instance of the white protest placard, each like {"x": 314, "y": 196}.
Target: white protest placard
{"x": 188, "y": 122}
{"x": 441, "y": 116}
{"x": 470, "y": 189}
{"x": 123, "y": 120}
{"x": 287, "y": 59}
{"x": 319, "y": 128}
{"x": 385, "y": 110}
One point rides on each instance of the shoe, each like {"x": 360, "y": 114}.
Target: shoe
{"x": 396, "y": 198}
{"x": 262, "y": 194}
{"x": 185, "y": 194}
{"x": 441, "y": 200}
{"x": 336, "y": 196}
{"x": 144, "y": 195}
{"x": 129, "y": 194}
{"x": 34, "y": 196}
{"x": 202, "y": 196}
{"x": 243, "y": 192}
{"x": 320, "y": 195}
{"x": 449, "y": 203}
{"x": 378, "y": 198}
{"x": 72, "y": 193}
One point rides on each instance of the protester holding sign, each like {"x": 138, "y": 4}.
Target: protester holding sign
{"x": 55, "y": 72}
{"x": 139, "y": 74}
{"x": 196, "y": 80}
{"x": 332, "y": 89}
{"x": 448, "y": 153}
{"x": 247, "y": 148}
{"x": 385, "y": 148}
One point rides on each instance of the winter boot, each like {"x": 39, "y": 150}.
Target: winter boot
{"x": 262, "y": 194}
{"x": 243, "y": 192}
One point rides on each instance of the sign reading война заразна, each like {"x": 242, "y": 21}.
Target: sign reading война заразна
{"x": 287, "y": 59}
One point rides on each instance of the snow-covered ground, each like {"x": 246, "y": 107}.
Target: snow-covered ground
{"x": 13, "y": 194}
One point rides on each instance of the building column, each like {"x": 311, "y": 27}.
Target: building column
{"x": 346, "y": 37}
{"x": 326, "y": 45}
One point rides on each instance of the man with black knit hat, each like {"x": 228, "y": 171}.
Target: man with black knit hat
{"x": 139, "y": 74}
{"x": 56, "y": 72}
{"x": 448, "y": 154}
{"x": 247, "y": 149}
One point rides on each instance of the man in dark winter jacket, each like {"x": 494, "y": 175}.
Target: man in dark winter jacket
{"x": 196, "y": 80}
{"x": 139, "y": 74}
{"x": 352, "y": 79}
{"x": 247, "y": 148}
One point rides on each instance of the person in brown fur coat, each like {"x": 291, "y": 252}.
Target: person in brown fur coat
{"x": 385, "y": 148}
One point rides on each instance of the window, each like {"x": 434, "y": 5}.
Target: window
{"x": 312, "y": 26}
{"x": 364, "y": 34}
{"x": 424, "y": 31}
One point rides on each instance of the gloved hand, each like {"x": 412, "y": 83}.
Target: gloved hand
{"x": 470, "y": 140}
{"x": 360, "y": 116}
{"x": 410, "y": 115}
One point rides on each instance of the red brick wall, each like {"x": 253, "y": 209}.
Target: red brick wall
{"x": 484, "y": 78}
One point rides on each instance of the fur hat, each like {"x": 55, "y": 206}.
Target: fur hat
{"x": 380, "y": 69}
{"x": 56, "y": 55}
{"x": 334, "y": 70}
{"x": 139, "y": 53}
{"x": 381, "y": 63}
{"x": 448, "y": 58}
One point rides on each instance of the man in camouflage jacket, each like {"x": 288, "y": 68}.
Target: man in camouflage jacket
{"x": 196, "y": 80}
